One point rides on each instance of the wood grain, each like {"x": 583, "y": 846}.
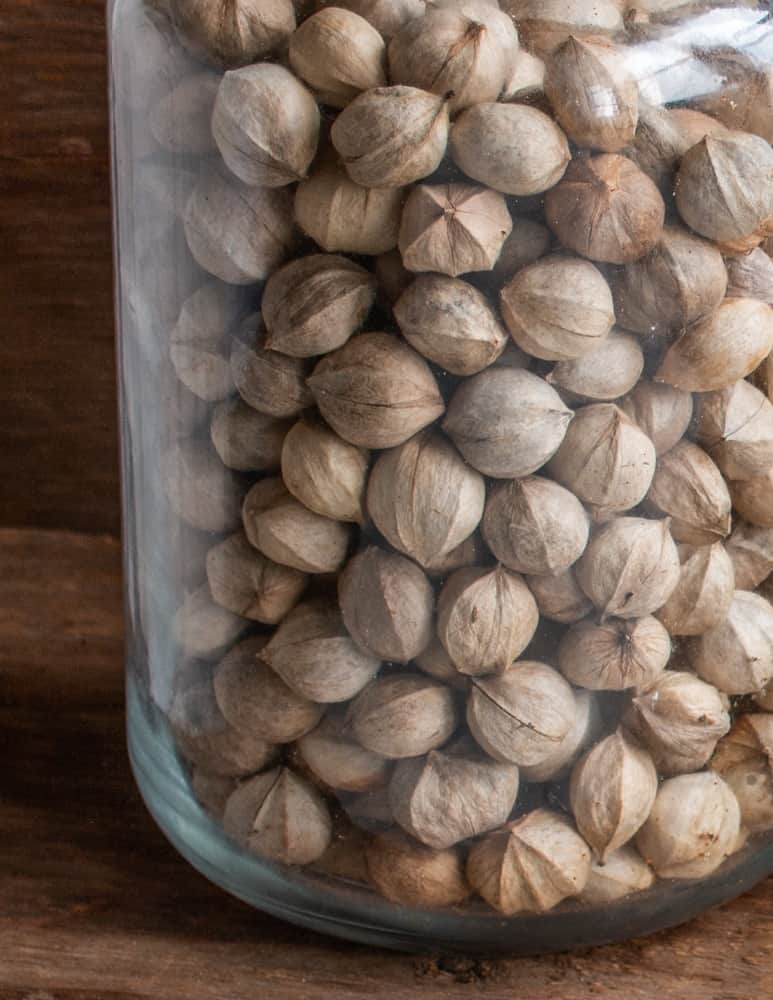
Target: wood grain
{"x": 95, "y": 905}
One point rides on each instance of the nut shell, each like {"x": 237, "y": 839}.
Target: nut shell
{"x": 703, "y": 596}
{"x": 616, "y": 655}
{"x": 414, "y": 875}
{"x": 690, "y": 490}
{"x": 737, "y": 655}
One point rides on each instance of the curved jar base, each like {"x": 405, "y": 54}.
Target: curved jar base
{"x": 350, "y": 911}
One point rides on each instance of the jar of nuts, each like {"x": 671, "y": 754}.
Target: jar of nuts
{"x": 446, "y": 339}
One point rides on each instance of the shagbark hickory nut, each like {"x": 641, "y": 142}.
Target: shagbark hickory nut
{"x": 486, "y": 618}
{"x": 528, "y": 241}
{"x": 558, "y": 308}
{"x": 721, "y": 349}
{"x": 280, "y": 816}
{"x": 314, "y": 304}
{"x": 735, "y": 426}
{"x": 510, "y": 147}
{"x": 737, "y": 655}
{"x": 750, "y": 276}
{"x": 268, "y": 381}
{"x": 245, "y": 439}
{"x": 743, "y": 758}
{"x": 424, "y": 499}
{"x": 286, "y": 531}
{"x": 248, "y": 584}
{"x": 338, "y": 761}
{"x": 630, "y": 567}
{"x": 236, "y": 232}
{"x": 453, "y": 228}
{"x": 521, "y": 716}
{"x": 535, "y": 526}
{"x": 451, "y": 323}
{"x": 390, "y": 137}
{"x": 607, "y": 209}
{"x": 615, "y": 655}
{"x": 387, "y": 603}
{"x": 342, "y": 216}
{"x": 266, "y": 125}
{"x": 514, "y": 870}
{"x": 200, "y": 490}
{"x": 679, "y": 719}
{"x": 606, "y": 374}
{"x": 376, "y": 392}
{"x": 506, "y": 423}
{"x": 256, "y": 701}
{"x": 327, "y": 474}
{"x": 584, "y": 732}
{"x": 612, "y": 791}
{"x": 681, "y": 280}
{"x": 546, "y": 24}
{"x": 415, "y": 875}
{"x": 338, "y": 54}
{"x": 750, "y": 550}
{"x": 623, "y": 872}
{"x": 751, "y": 499}
{"x": 692, "y": 828}
{"x": 703, "y": 596}
{"x": 661, "y": 411}
{"x": 689, "y": 489}
{"x": 234, "y": 32}
{"x": 314, "y": 654}
{"x": 454, "y": 49}
{"x": 559, "y": 597}
{"x": 403, "y": 715}
{"x": 181, "y": 121}
{"x": 605, "y": 459}
{"x": 593, "y": 96}
{"x": 450, "y": 796}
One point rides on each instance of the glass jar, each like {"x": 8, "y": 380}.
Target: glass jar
{"x": 447, "y": 457}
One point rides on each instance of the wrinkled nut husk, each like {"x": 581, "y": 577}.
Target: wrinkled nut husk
{"x": 724, "y": 190}
{"x": 201, "y": 628}
{"x": 453, "y": 229}
{"x": 256, "y": 701}
{"x": 606, "y": 374}
{"x": 584, "y": 732}
{"x": 528, "y": 241}
{"x": 750, "y": 549}
{"x": 376, "y": 392}
{"x": 338, "y": 54}
{"x": 283, "y": 529}
{"x": 266, "y": 380}
{"x": 703, "y": 596}
{"x": 342, "y": 216}
{"x": 594, "y": 98}
{"x": 622, "y": 873}
{"x": 751, "y": 499}
{"x": 451, "y": 323}
{"x": 314, "y": 304}
{"x": 280, "y": 816}
{"x": 327, "y": 474}
{"x": 199, "y": 488}
{"x": 680, "y": 281}
{"x": 436, "y": 662}
{"x": 630, "y": 567}
{"x": 615, "y": 655}
{"x": 721, "y": 349}
{"x": 689, "y": 489}
{"x": 607, "y": 209}
{"x": 448, "y": 797}
{"x": 314, "y": 655}
{"x": 679, "y": 719}
{"x": 486, "y": 618}
{"x": 744, "y": 759}
{"x": 559, "y": 598}
{"x": 531, "y": 864}
{"x": 233, "y": 32}
{"x": 737, "y": 655}
{"x": 387, "y": 604}
{"x": 403, "y": 715}
{"x": 460, "y": 52}
{"x": 693, "y": 826}
{"x": 510, "y": 147}
{"x": 506, "y": 423}
{"x": 424, "y": 499}
{"x": 338, "y": 761}
{"x": 558, "y": 308}
{"x": 521, "y": 716}
{"x": 605, "y": 459}
{"x": 612, "y": 791}
{"x": 248, "y": 584}
{"x": 414, "y": 875}
{"x": 526, "y": 78}
{"x": 181, "y": 121}
{"x": 735, "y": 426}
{"x": 390, "y": 137}
{"x": 245, "y": 439}
{"x": 237, "y": 232}
{"x": 535, "y": 526}
{"x": 386, "y": 16}
{"x": 266, "y": 125}
{"x": 544, "y": 25}
{"x": 661, "y": 411}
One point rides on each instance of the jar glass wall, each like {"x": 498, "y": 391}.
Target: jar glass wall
{"x": 447, "y": 448}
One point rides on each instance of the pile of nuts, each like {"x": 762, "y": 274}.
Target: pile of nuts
{"x": 490, "y": 473}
